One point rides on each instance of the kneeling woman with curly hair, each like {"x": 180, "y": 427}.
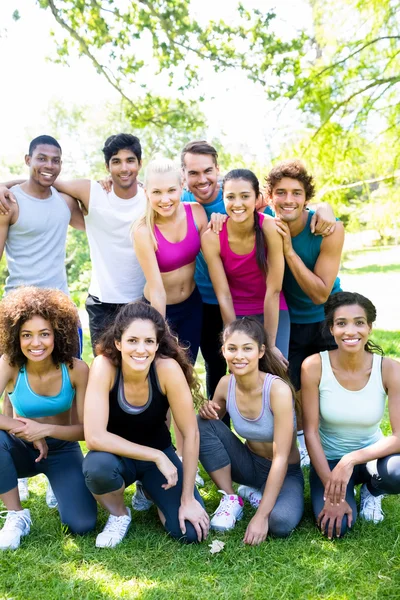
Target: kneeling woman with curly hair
{"x": 46, "y": 386}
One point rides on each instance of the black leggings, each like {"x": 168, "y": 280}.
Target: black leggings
{"x": 382, "y": 476}
{"x": 63, "y": 468}
{"x": 105, "y": 472}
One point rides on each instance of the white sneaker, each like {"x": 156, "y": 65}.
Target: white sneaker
{"x": 23, "y": 489}
{"x": 253, "y": 495}
{"x": 18, "y": 523}
{"x": 51, "y": 500}
{"x": 140, "y": 500}
{"x": 114, "y": 531}
{"x": 229, "y": 511}
{"x": 370, "y": 506}
{"x": 304, "y": 458}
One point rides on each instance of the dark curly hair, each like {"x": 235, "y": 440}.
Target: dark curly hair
{"x": 339, "y": 299}
{"x": 294, "y": 169}
{"x": 168, "y": 345}
{"x": 53, "y": 306}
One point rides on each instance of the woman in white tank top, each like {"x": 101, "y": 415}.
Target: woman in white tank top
{"x": 344, "y": 395}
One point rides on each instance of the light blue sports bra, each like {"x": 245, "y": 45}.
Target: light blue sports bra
{"x": 32, "y": 406}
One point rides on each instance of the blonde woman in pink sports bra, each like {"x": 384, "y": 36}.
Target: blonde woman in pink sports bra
{"x": 167, "y": 241}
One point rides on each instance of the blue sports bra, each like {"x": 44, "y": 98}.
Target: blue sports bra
{"x": 32, "y": 406}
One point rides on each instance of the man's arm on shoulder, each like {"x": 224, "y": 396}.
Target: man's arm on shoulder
{"x": 5, "y": 222}
{"x": 77, "y": 188}
{"x": 318, "y": 284}
{"x": 77, "y": 221}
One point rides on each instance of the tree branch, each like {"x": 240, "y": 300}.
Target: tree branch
{"x": 361, "y": 183}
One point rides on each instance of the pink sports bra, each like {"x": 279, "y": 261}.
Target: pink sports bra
{"x": 173, "y": 255}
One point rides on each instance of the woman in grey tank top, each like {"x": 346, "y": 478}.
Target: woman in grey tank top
{"x": 259, "y": 398}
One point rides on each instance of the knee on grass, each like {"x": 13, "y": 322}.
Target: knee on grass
{"x": 280, "y": 526}
{"x": 80, "y": 525}
{"x": 190, "y": 537}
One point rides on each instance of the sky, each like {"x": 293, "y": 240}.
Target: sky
{"x": 236, "y": 110}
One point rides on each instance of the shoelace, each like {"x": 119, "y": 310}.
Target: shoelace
{"x": 12, "y": 517}
{"x": 114, "y": 524}
{"x": 373, "y": 503}
{"x": 226, "y": 503}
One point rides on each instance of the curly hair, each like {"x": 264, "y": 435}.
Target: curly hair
{"x": 53, "y": 306}
{"x": 294, "y": 169}
{"x": 168, "y": 345}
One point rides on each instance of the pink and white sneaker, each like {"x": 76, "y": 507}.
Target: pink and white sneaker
{"x": 229, "y": 511}
{"x": 253, "y": 495}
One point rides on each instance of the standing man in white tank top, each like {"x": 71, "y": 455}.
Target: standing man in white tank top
{"x": 117, "y": 277}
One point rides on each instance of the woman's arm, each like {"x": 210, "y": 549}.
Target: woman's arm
{"x": 7, "y": 375}
{"x": 211, "y": 250}
{"x": 310, "y": 379}
{"x": 175, "y": 386}
{"x": 276, "y": 267}
{"x": 146, "y": 256}
{"x": 216, "y": 408}
{"x": 282, "y": 408}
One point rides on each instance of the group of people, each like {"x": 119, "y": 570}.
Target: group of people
{"x": 181, "y": 263}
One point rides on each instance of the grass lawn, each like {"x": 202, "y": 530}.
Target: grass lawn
{"x": 54, "y": 564}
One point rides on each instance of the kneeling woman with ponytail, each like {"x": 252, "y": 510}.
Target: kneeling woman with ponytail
{"x": 259, "y": 399}
{"x": 140, "y": 372}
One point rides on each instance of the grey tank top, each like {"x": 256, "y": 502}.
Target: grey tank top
{"x": 35, "y": 246}
{"x": 260, "y": 429}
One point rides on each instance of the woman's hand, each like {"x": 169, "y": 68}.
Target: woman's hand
{"x": 256, "y": 531}
{"x": 336, "y": 486}
{"x": 209, "y": 409}
{"x": 30, "y": 430}
{"x": 168, "y": 469}
{"x": 331, "y": 517}
{"x": 216, "y": 222}
{"x": 323, "y": 221}
{"x": 194, "y": 512}
{"x": 41, "y": 445}
{"x": 106, "y": 184}
{"x": 278, "y": 354}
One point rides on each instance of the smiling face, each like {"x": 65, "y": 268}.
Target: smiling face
{"x": 36, "y": 338}
{"x": 163, "y": 191}
{"x": 44, "y": 164}
{"x": 350, "y": 328}
{"x": 124, "y": 168}
{"x": 201, "y": 176}
{"x": 240, "y": 199}
{"x": 289, "y": 199}
{"x": 138, "y": 345}
{"x": 242, "y": 353}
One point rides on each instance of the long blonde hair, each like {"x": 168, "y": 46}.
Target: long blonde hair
{"x": 158, "y": 165}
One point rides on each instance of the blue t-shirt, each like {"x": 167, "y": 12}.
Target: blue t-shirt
{"x": 201, "y": 275}
{"x": 301, "y": 308}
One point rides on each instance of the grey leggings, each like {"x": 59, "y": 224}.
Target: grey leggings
{"x": 382, "y": 476}
{"x": 63, "y": 467}
{"x": 220, "y": 447}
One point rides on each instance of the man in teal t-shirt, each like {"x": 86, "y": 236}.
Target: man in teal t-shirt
{"x": 312, "y": 262}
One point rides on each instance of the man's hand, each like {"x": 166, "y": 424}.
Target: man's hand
{"x": 7, "y": 198}
{"x": 216, "y": 222}
{"x": 284, "y": 231}
{"x": 194, "y": 512}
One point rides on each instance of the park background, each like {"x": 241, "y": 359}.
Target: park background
{"x": 262, "y": 81}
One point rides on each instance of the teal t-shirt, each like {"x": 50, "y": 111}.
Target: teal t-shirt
{"x": 201, "y": 275}
{"x": 301, "y": 308}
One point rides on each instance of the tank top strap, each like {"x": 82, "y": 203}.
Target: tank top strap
{"x": 231, "y": 396}
{"x": 66, "y": 385}
{"x": 326, "y": 367}
{"x": 376, "y": 372}
{"x": 223, "y": 240}
{"x": 266, "y": 391}
{"x": 191, "y": 223}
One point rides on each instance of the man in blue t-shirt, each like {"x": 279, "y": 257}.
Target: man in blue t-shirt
{"x": 312, "y": 262}
{"x": 200, "y": 169}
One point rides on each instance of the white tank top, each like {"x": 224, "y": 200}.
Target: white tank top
{"x": 117, "y": 277}
{"x": 35, "y": 245}
{"x": 349, "y": 420}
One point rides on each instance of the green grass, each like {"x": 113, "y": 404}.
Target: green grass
{"x": 373, "y": 268}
